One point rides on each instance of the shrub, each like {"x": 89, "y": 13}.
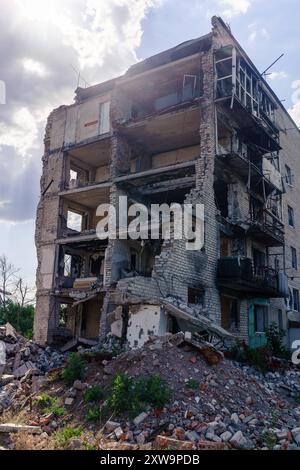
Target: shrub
{"x": 93, "y": 414}
{"x": 274, "y": 337}
{"x": 93, "y": 393}
{"x": 21, "y": 318}
{"x": 63, "y": 436}
{"x": 192, "y": 384}
{"x": 74, "y": 369}
{"x": 153, "y": 390}
{"x": 131, "y": 395}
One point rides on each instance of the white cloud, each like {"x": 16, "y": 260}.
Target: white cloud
{"x": 277, "y": 75}
{"x": 45, "y": 38}
{"x": 295, "y": 109}
{"x": 235, "y": 7}
{"x": 21, "y": 133}
{"x": 295, "y": 113}
{"x": 35, "y": 67}
{"x": 256, "y": 32}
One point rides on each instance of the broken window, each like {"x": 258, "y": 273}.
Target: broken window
{"x": 74, "y": 221}
{"x": 225, "y": 63}
{"x": 63, "y": 315}
{"x": 259, "y": 262}
{"x": 78, "y": 177}
{"x": 260, "y": 318}
{"x": 230, "y": 312}
{"x": 196, "y": 295}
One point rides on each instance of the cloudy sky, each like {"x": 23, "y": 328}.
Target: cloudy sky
{"x": 43, "y": 41}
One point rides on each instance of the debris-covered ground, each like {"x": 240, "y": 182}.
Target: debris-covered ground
{"x": 220, "y": 406}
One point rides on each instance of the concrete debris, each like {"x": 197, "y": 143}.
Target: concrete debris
{"x": 22, "y": 364}
{"x": 216, "y": 412}
{"x": 11, "y": 427}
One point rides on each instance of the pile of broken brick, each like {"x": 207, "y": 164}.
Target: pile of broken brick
{"x": 23, "y": 364}
{"x": 217, "y": 404}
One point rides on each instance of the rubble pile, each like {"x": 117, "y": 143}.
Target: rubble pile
{"x": 215, "y": 407}
{"x": 215, "y": 402}
{"x": 22, "y": 362}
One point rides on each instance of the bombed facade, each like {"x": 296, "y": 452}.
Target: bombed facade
{"x": 195, "y": 124}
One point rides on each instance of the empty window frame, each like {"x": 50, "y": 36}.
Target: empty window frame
{"x": 74, "y": 221}
{"x": 294, "y": 258}
{"x": 291, "y": 217}
{"x": 225, "y": 64}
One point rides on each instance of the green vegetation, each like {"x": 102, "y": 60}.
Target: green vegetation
{"x": 50, "y": 405}
{"x": 93, "y": 393}
{"x": 63, "y": 436}
{"x": 74, "y": 370}
{"x": 274, "y": 337}
{"x": 21, "y": 318}
{"x": 269, "y": 439}
{"x": 93, "y": 414}
{"x": 131, "y": 395}
{"x": 192, "y": 384}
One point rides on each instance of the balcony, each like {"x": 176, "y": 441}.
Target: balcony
{"x": 240, "y": 88}
{"x": 239, "y": 274}
{"x": 266, "y": 228}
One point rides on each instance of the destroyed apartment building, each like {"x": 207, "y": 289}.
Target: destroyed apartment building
{"x": 197, "y": 123}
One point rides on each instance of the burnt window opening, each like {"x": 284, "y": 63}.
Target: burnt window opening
{"x": 221, "y": 197}
{"x": 96, "y": 265}
{"x": 259, "y": 262}
{"x": 230, "y": 312}
{"x": 196, "y": 295}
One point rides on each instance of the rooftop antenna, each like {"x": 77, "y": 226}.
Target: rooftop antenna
{"x": 79, "y": 77}
{"x": 275, "y": 62}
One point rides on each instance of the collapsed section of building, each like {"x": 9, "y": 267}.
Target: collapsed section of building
{"x": 194, "y": 124}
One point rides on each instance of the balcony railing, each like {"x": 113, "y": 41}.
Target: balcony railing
{"x": 240, "y": 274}
{"x": 267, "y": 227}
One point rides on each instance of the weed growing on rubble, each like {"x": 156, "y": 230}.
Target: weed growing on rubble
{"x": 298, "y": 399}
{"x": 192, "y": 384}
{"x": 93, "y": 393}
{"x": 93, "y": 414}
{"x": 50, "y": 405}
{"x": 74, "y": 369}
{"x": 131, "y": 395}
{"x": 63, "y": 436}
{"x": 274, "y": 337}
{"x": 269, "y": 439}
